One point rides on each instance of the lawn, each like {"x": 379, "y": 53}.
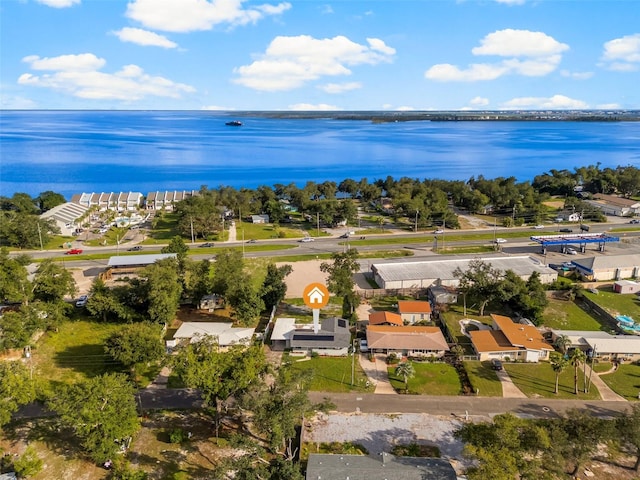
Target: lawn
{"x": 615, "y": 303}
{"x": 625, "y": 381}
{"x": 74, "y": 352}
{"x": 483, "y": 378}
{"x": 333, "y": 374}
{"x": 538, "y": 380}
{"x": 430, "y": 379}
{"x": 567, "y": 315}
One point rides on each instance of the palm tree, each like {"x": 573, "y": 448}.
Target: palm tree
{"x": 576, "y": 357}
{"x": 406, "y": 371}
{"x": 558, "y": 364}
{"x": 563, "y": 342}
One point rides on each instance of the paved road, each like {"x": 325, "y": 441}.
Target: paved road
{"x": 461, "y": 406}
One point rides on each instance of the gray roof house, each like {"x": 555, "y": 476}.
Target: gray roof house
{"x": 606, "y": 346}
{"x": 333, "y": 337}
{"x": 385, "y": 467}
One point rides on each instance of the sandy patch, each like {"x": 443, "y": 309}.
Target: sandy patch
{"x": 302, "y": 275}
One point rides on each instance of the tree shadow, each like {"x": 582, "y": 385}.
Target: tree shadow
{"x": 89, "y": 359}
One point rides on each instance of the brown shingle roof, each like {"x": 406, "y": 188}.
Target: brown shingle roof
{"x": 406, "y": 338}
{"x": 414, "y": 306}
{"x": 490, "y": 341}
{"x": 520, "y": 335}
{"x": 380, "y": 318}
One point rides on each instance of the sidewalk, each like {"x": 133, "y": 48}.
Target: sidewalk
{"x": 606, "y": 393}
{"x": 509, "y": 390}
{"x": 376, "y": 371}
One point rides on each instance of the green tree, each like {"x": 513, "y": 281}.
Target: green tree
{"x": 219, "y": 375}
{"x": 47, "y": 200}
{"x": 246, "y": 303}
{"x": 16, "y": 389}
{"x": 628, "y": 429}
{"x": 177, "y": 246}
{"x": 406, "y": 371}
{"x": 562, "y": 342}
{"x": 228, "y": 271}
{"x": 136, "y": 343}
{"x": 163, "y": 290}
{"x": 480, "y": 281}
{"x": 278, "y": 408}
{"x": 104, "y": 303}
{"x": 101, "y": 411}
{"x": 53, "y": 282}
{"x": 14, "y": 283}
{"x": 558, "y": 364}
{"x": 584, "y": 434}
{"x": 340, "y": 279}
{"x": 274, "y": 287}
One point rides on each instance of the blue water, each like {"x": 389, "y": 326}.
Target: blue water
{"x": 93, "y": 151}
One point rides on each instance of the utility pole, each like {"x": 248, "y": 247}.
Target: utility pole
{"x": 444, "y": 227}
{"x": 416, "y": 224}
{"x": 192, "y": 238}
{"x": 40, "y": 235}
{"x": 318, "y": 222}
{"x": 243, "y": 243}
{"x": 353, "y": 361}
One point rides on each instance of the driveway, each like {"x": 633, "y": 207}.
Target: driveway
{"x": 509, "y": 390}
{"x": 376, "y": 371}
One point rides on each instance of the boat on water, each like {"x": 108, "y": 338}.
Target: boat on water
{"x": 234, "y": 123}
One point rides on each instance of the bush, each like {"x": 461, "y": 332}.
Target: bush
{"x": 177, "y": 435}
{"x": 392, "y": 359}
{"x": 29, "y": 464}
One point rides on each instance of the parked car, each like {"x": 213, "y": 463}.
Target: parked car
{"x": 635, "y": 220}
{"x": 572, "y": 251}
{"x": 566, "y": 230}
{"x": 82, "y": 301}
{"x": 206, "y": 245}
{"x": 306, "y": 239}
{"x": 136, "y": 248}
{"x": 74, "y": 251}
{"x": 496, "y": 364}
{"x": 364, "y": 346}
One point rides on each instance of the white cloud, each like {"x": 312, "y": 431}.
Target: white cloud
{"x": 321, "y": 107}
{"x": 526, "y": 53}
{"x": 83, "y": 62}
{"x": 290, "y": 62}
{"x": 405, "y": 108}
{"x": 144, "y": 38}
{"x": 326, "y": 9}
{"x": 216, "y": 108}
{"x": 59, "y": 3}
{"x": 479, "y": 102}
{"x": 79, "y": 76}
{"x": 340, "y": 87}
{"x": 576, "y": 75}
{"x": 519, "y": 43}
{"x": 556, "y": 102}
{"x": 622, "y": 54}
{"x": 10, "y": 102}
{"x": 191, "y": 15}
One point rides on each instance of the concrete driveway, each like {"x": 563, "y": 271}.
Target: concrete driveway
{"x": 376, "y": 371}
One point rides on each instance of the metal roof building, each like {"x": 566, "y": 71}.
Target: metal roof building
{"x": 439, "y": 271}
{"x": 138, "y": 260}
{"x": 608, "y": 267}
{"x": 66, "y": 215}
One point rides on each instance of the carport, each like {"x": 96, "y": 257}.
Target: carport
{"x": 580, "y": 239}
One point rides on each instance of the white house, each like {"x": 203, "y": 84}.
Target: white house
{"x": 224, "y": 333}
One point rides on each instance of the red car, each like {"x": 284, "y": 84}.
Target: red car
{"x": 74, "y": 251}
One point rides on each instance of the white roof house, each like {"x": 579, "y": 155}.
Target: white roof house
{"x": 66, "y": 216}
{"x": 608, "y": 267}
{"x": 605, "y": 345}
{"x": 224, "y": 333}
{"x": 439, "y": 271}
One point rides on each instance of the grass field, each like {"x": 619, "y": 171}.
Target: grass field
{"x": 537, "y": 380}
{"x": 567, "y": 315}
{"x": 333, "y": 374}
{"x": 625, "y": 381}
{"x": 483, "y": 378}
{"x": 615, "y": 303}
{"x": 74, "y": 352}
{"x": 430, "y": 379}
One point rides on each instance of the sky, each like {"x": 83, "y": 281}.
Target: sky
{"x": 395, "y": 55}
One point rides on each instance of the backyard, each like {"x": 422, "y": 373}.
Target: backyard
{"x": 615, "y": 303}
{"x": 568, "y": 315}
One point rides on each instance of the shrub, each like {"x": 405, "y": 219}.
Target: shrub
{"x": 29, "y": 464}
{"x": 177, "y": 435}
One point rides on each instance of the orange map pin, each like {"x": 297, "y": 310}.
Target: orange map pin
{"x": 315, "y": 295}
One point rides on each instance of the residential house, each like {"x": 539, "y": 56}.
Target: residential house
{"x": 166, "y": 200}
{"x": 211, "y": 302}
{"x": 332, "y": 339}
{"x": 260, "y": 218}
{"x": 406, "y": 341}
{"x": 385, "y": 318}
{"x": 120, "y": 201}
{"x": 224, "y": 334}
{"x": 382, "y": 467}
{"x": 608, "y": 267}
{"x": 615, "y": 205}
{"x": 568, "y": 217}
{"x": 510, "y": 340}
{"x": 439, "y": 295}
{"x": 413, "y": 311}
{"x": 602, "y": 345}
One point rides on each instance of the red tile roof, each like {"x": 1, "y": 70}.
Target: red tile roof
{"x": 414, "y": 306}
{"x": 380, "y": 318}
{"x": 406, "y": 338}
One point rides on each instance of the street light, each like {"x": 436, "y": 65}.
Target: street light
{"x": 416, "y": 225}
